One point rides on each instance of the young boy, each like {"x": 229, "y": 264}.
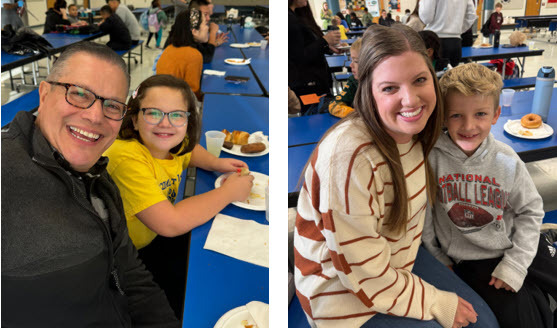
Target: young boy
{"x": 342, "y": 105}
{"x": 495, "y": 21}
{"x": 111, "y": 23}
{"x": 487, "y": 213}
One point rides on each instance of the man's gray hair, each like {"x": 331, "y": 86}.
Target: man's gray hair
{"x": 98, "y": 50}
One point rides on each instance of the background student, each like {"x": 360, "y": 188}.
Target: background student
{"x": 120, "y": 38}
{"x": 56, "y": 16}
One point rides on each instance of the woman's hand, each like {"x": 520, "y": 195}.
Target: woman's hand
{"x": 332, "y": 37}
{"x": 225, "y": 165}
{"x": 335, "y": 50}
{"x": 498, "y": 283}
{"x": 238, "y": 187}
{"x": 465, "y": 314}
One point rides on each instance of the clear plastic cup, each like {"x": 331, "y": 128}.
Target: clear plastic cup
{"x": 264, "y": 44}
{"x": 215, "y": 140}
{"x": 507, "y": 97}
{"x": 267, "y": 203}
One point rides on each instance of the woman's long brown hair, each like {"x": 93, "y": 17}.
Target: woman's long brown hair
{"x": 379, "y": 43}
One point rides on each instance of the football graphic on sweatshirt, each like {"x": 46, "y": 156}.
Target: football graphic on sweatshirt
{"x": 466, "y": 215}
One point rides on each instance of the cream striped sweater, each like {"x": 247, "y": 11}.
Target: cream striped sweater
{"x": 348, "y": 266}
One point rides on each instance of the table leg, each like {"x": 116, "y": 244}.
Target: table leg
{"x": 33, "y": 65}
{"x": 504, "y": 69}
{"x": 11, "y": 80}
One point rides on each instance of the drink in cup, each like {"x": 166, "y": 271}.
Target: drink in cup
{"x": 215, "y": 140}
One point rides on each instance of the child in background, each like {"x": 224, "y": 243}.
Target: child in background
{"x": 433, "y": 48}
{"x": 158, "y": 140}
{"x": 112, "y": 24}
{"x": 342, "y": 105}
{"x": 181, "y": 57}
{"x": 488, "y": 213}
{"x": 73, "y": 16}
{"x": 336, "y": 22}
{"x": 495, "y": 21}
{"x": 156, "y": 21}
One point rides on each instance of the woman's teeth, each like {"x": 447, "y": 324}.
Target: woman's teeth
{"x": 412, "y": 114}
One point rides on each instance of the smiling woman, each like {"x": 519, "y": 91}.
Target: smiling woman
{"x": 362, "y": 208}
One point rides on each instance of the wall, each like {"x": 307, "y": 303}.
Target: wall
{"x": 547, "y": 11}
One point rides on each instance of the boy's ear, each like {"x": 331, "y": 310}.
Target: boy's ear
{"x": 496, "y": 115}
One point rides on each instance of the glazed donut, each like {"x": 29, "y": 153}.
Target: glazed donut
{"x": 531, "y": 121}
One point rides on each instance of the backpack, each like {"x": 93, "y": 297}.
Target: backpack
{"x": 144, "y": 20}
{"x": 24, "y": 41}
{"x": 154, "y": 24}
{"x": 485, "y": 28}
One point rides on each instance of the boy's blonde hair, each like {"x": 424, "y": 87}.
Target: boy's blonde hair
{"x": 357, "y": 45}
{"x": 517, "y": 38}
{"x": 498, "y": 4}
{"x": 472, "y": 79}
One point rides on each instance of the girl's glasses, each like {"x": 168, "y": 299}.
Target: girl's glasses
{"x": 154, "y": 116}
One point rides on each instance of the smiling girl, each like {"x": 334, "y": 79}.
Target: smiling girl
{"x": 156, "y": 143}
{"x": 362, "y": 207}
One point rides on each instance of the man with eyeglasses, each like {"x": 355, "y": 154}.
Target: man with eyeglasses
{"x": 67, "y": 259}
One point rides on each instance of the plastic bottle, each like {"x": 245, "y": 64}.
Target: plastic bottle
{"x": 496, "y": 37}
{"x": 543, "y": 91}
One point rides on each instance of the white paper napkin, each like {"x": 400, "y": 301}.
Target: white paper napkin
{"x": 244, "y": 240}
{"x": 213, "y": 72}
{"x": 259, "y": 311}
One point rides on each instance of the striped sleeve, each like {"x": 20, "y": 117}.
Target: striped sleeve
{"x": 349, "y": 266}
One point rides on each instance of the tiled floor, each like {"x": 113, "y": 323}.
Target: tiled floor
{"x": 544, "y": 172}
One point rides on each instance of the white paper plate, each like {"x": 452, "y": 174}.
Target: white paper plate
{"x": 483, "y": 47}
{"x": 256, "y": 199}
{"x": 514, "y": 128}
{"x": 237, "y": 61}
{"x": 254, "y": 44}
{"x": 236, "y": 150}
{"x": 234, "y": 318}
{"x": 239, "y": 45}
{"x": 343, "y": 47}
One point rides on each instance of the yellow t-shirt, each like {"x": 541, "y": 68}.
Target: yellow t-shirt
{"x": 143, "y": 182}
{"x": 342, "y": 30}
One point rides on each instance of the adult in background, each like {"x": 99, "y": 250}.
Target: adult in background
{"x": 120, "y": 38}
{"x": 367, "y": 19}
{"x": 181, "y": 58}
{"x": 56, "y": 16}
{"x": 414, "y": 20}
{"x": 67, "y": 259}
{"x": 128, "y": 18}
{"x": 10, "y": 14}
{"x": 308, "y": 71}
{"x": 179, "y": 6}
{"x": 448, "y": 19}
{"x": 326, "y": 16}
{"x": 404, "y": 18}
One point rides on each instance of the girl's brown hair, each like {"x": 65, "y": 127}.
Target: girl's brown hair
{"x": 127, "y": 131}
{"x": 379, "y": 43}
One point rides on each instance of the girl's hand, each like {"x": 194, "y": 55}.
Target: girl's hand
{"x": 498, "y": 283}
{"x": 238, "y": 187}
{"x": 465, "y": 314}
{"x": 225, "y": 165}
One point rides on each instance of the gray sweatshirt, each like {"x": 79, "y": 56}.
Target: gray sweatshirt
{"x": 487, "y": 206}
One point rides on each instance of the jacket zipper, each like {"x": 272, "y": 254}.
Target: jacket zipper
{"x": 98, "y": 220}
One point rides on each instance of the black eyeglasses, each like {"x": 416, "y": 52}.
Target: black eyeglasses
{"x": 154, "y": 116}
{"x": 83, "y": 98}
